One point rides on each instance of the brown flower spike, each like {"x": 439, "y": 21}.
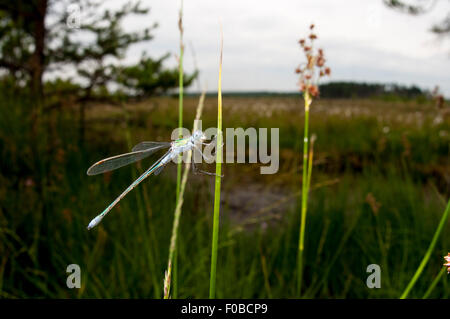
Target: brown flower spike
{"x": 314, "y": 68}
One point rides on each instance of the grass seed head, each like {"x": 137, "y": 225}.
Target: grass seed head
{"x": 315, "y": 66}
{"x": 167, "y": 277}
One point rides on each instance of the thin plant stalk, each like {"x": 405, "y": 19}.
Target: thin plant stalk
{"x": 310, "y": 160}
{"x": 427, "y": 255}
{"x": 305, "y": 190}
{"x": 177, "y": 213}
{"x": 215, "y": 237}
{"x": 434, "y": 283}
{"x": 180, "y": 126}
{"x": 310, "y": 73}
{"x": 180, "y": 72}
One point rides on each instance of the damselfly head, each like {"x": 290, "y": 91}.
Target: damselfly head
{"x": 199, "y": 136}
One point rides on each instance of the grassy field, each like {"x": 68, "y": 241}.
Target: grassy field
{"x": 380, "y": 183}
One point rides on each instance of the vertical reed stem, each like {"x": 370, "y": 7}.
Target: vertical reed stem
{"x": 180, "y": 126}
{"x": 434, "y": 283}
{"x": 215, "y": 237}
{"x": 305, "y": 189}
{"x": 428, "y": 253}
{"x": 177, "y": 214}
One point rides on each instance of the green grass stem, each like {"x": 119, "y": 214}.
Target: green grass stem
{"x": 428, "y": 253}
{"x": 434, "y": 283}
{"x": 180, "y": 126}
{"x": 177, "y": 214}
{"x": 215, "y": 237}
{"x": 305, "y": 189}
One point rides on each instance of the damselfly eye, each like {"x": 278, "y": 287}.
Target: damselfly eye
{"x": 198, "y": 134}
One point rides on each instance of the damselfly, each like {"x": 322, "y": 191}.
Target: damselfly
{"x": 141, "y": 151}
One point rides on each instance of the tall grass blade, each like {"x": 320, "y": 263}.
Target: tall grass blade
{"x": 428, "y": 253}
{"x": 305, "y": 190}
{"x": 434, "y": 283}
{"x": 215, "y": 237}
{"x": 180, "y": 126}
{"x": 177, "y": 214}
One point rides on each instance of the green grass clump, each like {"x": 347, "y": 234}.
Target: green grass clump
{"x": 47, "y": 201}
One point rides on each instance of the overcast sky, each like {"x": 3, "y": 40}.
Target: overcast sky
{"x": 363, "y": 41}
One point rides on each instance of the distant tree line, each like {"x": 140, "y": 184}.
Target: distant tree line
{"x": 366, "y": 90}
{"x": 342, "y": 90}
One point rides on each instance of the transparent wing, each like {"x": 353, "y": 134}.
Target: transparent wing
{"x": 112, "y": 163}
{"x": 149, "y": 145}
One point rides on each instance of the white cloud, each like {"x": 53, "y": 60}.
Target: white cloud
{"x": 363, "y": 40}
